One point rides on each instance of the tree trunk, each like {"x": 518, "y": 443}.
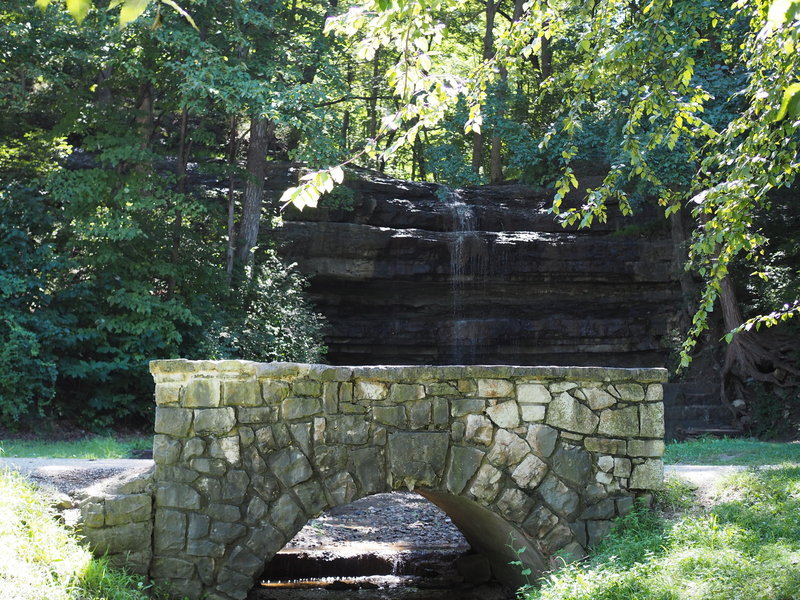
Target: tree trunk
{"x": 180, "y": 174}
{"x": 260, "y": 131}
{"x": 488, "y": 51}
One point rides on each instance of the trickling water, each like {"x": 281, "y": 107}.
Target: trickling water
{"x": 464, "y": 268}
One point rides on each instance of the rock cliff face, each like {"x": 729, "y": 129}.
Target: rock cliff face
{"x": 418, "y": 274}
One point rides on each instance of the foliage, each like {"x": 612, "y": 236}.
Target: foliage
{"x": 744, "y": 548}
{"x": 274, "y": 321}
{"x": 40, "y": 558}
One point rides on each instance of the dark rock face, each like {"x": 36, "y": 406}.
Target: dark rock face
{"x": 418, "y": 274}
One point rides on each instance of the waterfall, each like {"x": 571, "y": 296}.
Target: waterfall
{"x": 464, "y": 270}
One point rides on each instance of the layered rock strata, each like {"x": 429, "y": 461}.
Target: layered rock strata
{"x": 419, "y": 274}
{"x": 540, "y": 458}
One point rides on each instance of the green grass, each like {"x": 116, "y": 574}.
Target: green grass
{"x": 90, "y": 447}
{"x": 745, "y": 548}
{"x": 730, "y": 451}
{"x": 42, "y": 560}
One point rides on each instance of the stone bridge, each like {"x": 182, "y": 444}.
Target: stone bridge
{"x": 540, "y": 458}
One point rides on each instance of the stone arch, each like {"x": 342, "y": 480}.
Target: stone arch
{"x": 246, "y": 453}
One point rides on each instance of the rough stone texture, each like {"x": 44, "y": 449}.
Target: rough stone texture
{"x": 528, "y": 287}
{"x": 246, "y": 453}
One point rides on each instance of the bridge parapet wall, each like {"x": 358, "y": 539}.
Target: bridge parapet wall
{"x": 246, "y": 453}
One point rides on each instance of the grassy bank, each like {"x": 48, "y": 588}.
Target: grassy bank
{"x": 88, "y": 447}
{"x": 746, "y": 547}
{"x": 731, "y": 451}
{"x": 41, "y": 559}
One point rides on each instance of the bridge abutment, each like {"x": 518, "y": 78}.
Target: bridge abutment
{"x": 541, "y": 458}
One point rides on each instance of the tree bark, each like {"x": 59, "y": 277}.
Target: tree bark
{"x": 180, "y": 174}
{"x": 488, "y": 51}
{"x": 260, "y": 130}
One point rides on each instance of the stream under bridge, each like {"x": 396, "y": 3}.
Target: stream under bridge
{"x": 533, "y": 458}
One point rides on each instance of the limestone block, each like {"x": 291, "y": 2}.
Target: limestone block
{"x": 557, "y": 387}
{"x": 652, "y": 419}
{"x": 597, "y": 530}
{"x": 173, "y": 421}
{"x": 167, "y": 567}
{"x": 230, "y": 513}
{"x": 540, "y": 522}
{"x": 169, "y": 534}
{"x": 176, "y": 474}
{"x": 505, "y": 414}
{"x": 441, "y": 389}
{"x": 241, "y": 393}
{"x": 598, "y": 399}
{"x": 394, "y": 416}
{"x": 371, "y": 390}
{"x": 93, "y": 512}
{"x": 558, "y": 538}
{"x": 330, "y": 458}
{"x": 464, "y": 462}
{"x": 379, "y": 436}
{"x": 290, "y": 466}
{"x": 600, "y": 510}
{"x": 307, "y": 387}
{"x": 402, "y": 392}
{"x": 168, "y": 393}
{"x": 622, "y": 422}
{"x": 532, "y": 413}
{"x": 330, "y": 396}
{"x": 130, "y": 537}
{"x": 624, "y": 505}
{"x": 346, "y": 393}
{"x": 605, "y": 463}
{"x": 368, "y": 467}
{"x": 514, "y": 505}
{"x": 264, "y": 540}
{"x": 486, "y": 485}
{"x": 347, "y": 429}
{"x": 530, "y": 472}
{"x": 166, "y": 450}
{"x": 572, "y": 463}
{"x": 301, "y": 434}
{"x": 295, "y": 407}
{"x": 655, "y": 393}
{"x": 478, "y": 430}
{"x": 217, "y": 421}
{"x": 257, "y": 510}
{"x": 273, "y": 391}
{"x": 542, "y": 439}
{"x": 533, "y": 393}
{"x": 209, "y": 488}
{"x": 225, "y": 533}
{"x": 648, "y": 475}
{"x": 341, "y": 488}
{"x": 177, "y": 495}
{"x": 420, "y": 414}
{"x": 226, "y": 448}
{"x": 558, "y": 496}
{"x": 441, "y": 412}
{"x": 243, "y": 560}
{"x": 256, "y": 415}
{"x": 645, "y": 448}
{"x": 604, "y": 478}
{"x": 204, "y": 548}
{"x": 507, "y": 450}
{"x": 319, "y": 430}
{"x": 465, "y": 406}
{"x": 198, "y": 527}
{"x": 630, "y": 392}
{"x": 209, "y": 466}
{"x": 457, "y": 430}
{"x": 201, "y": 393}
{"x": 311, "y": 496}
{"x": 234, "y": 486}
{"x": 350, "y": 408}
{"x": 605, "y": 445}
{"x": 246, "y": 436}
{"x": 128, "y": 508}
{"x": 467, "y": 386}
{"x": 417, "y": 458}
{"x": 565, "y": 412}
{"x": 495, "y": 388}
{"x": 622, "y": 467}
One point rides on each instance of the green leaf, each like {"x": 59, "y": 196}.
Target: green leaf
{"x": 777, "y": 12}
{"x": 338, "y": 174}
{"x": 42, "y": 4}
{"x": 132, "y": 10}
{"x": 790, "y": 104}
{"x": 78, "y": 9}
{"x": 181, "y": 12}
